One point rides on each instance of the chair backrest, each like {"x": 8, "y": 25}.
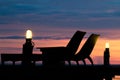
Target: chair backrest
{"x": 87, "y": 48}
{"x": 74, "y": 42}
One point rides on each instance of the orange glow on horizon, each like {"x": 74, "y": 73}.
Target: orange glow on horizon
{"x": 10, "y": 45}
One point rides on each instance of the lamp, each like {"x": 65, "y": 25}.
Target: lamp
{"x": 106, "y": 54}
{"x": 28, "y": 34}
{"x": 107, "y": 45}
{"x": 27, "y": 48}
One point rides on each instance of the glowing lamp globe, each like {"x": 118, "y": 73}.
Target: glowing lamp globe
{"x": 107, "y": 45}
{"x": 28, "y": 34}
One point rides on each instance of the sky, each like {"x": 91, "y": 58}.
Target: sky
{"x": 100, "y": 16}
{"x": 57, "y": 20}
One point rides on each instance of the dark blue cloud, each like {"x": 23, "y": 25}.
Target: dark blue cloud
{"x": 83, "y": 14}
{"x": 38, "y": 37}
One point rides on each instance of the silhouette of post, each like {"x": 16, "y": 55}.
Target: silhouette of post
{"x": 27, "y": 49}
{"x": 106, "y": 55}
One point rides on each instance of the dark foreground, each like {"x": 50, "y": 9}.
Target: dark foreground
{"x": 97, "y": 72}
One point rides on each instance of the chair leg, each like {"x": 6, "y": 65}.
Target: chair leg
{"x": 13, "y": 62}
{"x": 69, "y": 63}
{"x": 84, "y": 62}
{"x": 90, "y": 59}
{"x": 77, "y": 63}
{"x": 33, "y": 62}
{"x": 2, "y": 62}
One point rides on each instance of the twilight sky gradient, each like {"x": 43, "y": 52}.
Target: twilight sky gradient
{"x": 56, "y": 19}
{"x": 46, "y": 16}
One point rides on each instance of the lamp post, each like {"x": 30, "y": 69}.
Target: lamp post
{"x": 106, "y": 55}
{"x": 27, "y": 48}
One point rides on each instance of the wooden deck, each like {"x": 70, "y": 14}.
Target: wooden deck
{"x": 53, "y": 72}
{"x": 96, "y": 72}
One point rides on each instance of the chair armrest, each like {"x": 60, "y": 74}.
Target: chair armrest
{"x": 54, "y": 52}
{"x": 51, "y": 49}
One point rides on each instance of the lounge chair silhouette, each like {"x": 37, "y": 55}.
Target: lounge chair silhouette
{"x": 56, "y": 54}
{"x": 86, "y": 49}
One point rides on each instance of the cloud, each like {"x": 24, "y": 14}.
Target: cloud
{"x": 51, "y": 12}
{"x": 57, "y": 34}
{"x": 19, "y": 15}
{"x": 38, "y": 37}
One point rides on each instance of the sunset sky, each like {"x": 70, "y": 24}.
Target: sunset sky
{"x": 54, "y": 22}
